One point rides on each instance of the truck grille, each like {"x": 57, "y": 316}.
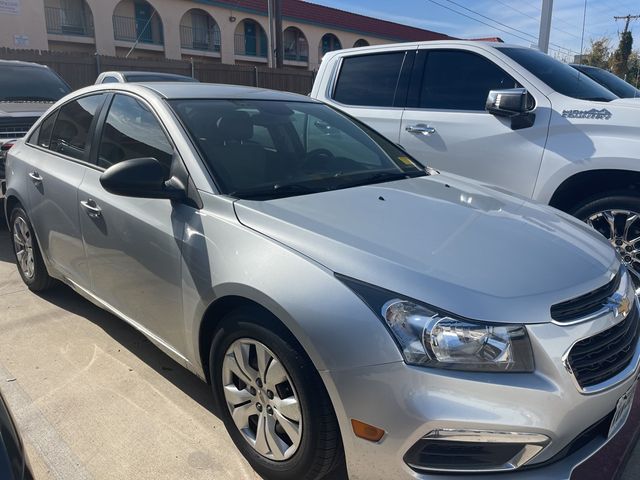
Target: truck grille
{"x": 584, "y": 305}
{"x": 15, "y": 127}
{"x": 601, "y": 357}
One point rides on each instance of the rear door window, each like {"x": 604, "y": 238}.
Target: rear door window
{"x": 131, "y": 130}
{"x": 70, "y": 135}
{"x": 369, "y": 80}
{"x": 459, "y": 80}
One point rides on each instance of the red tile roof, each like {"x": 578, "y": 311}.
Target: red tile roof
{"x": 332, "y": 17}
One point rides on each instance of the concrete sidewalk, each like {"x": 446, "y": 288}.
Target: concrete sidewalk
{"x": 94, "y": 399}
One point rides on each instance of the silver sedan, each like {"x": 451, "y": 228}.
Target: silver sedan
{"x": 353, "y": 310}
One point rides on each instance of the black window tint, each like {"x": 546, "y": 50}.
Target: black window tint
{"x": 30, "y": 83}
{"x": 559, "y": 76}
{"x": 43, "y": 135}
{"x": 71, "y": 130}
{"x": 131, "y": 130}
{"x": 458, "y": 80}
{"x": 369, "y": 79}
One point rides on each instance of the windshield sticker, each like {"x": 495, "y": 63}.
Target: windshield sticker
{"x": 406, "y": 161}
{"x": 594, "y": 114}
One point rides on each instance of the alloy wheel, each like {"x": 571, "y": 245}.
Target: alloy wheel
{"x": 622, "y": 229}
{"x": 23, "y": 246}
{"x": 262, "y": 399}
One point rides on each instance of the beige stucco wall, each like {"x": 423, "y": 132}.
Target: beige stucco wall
{"x": 31, "y": 22}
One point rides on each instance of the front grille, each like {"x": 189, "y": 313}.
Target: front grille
{"x": 598, "y": 358}
{"x": 585, "y": 305}
{"x": 15, "y": 127}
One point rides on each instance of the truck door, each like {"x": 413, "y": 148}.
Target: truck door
{"x": 446, "y": 126}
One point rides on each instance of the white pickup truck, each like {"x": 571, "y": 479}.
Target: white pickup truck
{"x": 505, "y": 115}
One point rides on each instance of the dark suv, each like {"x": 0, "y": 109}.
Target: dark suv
{"x": 27, "y": 90}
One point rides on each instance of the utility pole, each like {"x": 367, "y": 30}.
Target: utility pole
{"x": 545, "y": 26}
{"x": 276, "y": 43}
{"x": 628, "y": 19}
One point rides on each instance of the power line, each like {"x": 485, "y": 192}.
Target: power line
{"x": 537, "y": 19}
{"x": 507, "y": 26}
{"x": 491, "y": 26}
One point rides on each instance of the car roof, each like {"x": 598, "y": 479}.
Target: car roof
{"x": 443, "y": 43}
{"x": 181, "y": 90}
{"x": 19, "y": 63}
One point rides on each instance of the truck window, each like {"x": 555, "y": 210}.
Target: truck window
{"x": 559, "y": 76}
{"x": 369, "y": 80}
{"x": 459, "y": 80}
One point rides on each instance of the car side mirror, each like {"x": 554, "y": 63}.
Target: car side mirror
{"x": 512, "y": 103}
{"x": 141, "y": 178}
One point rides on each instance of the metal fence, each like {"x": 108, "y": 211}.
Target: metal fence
{"x": 131, "y": 29}
{"x": 80, "y": 69}
{"x": 63, "y": 21}
{"x": 200, "y": 38}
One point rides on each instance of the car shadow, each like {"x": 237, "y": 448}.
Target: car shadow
{"x": 65, "y": 298}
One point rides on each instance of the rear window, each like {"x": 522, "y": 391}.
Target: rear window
{"x": 27, "y": 83}
{"x": 559, "y": 76}
{"x": 369, "y": 80}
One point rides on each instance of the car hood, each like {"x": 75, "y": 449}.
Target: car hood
{"x": 23, "y": 109}
{"x": 444, "y": 240}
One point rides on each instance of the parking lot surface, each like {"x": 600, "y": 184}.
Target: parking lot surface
{"x": 94, "y": 399}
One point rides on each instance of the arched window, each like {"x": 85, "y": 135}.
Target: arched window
{"x": 251, "y": 39}
{"x": 137, "y": 21}
{"x": 199, "y": 31}
{"x": 68, "y": 18}
{"x": 329, "y": 43}
{"x": 361, "y": 43}
{"x": 295, "y": 45}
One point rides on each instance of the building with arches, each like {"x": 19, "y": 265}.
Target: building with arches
{"x": 227, "y": 31}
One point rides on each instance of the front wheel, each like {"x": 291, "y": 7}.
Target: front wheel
{"x": 272, "y": 400}
{"x": 617, "y": 217}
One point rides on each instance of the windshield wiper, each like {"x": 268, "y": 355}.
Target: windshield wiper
{"x": 381, "y": 177}
{"x": 27, "y": 99}
{"x": 276, "y": 191}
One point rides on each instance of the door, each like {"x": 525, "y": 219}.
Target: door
{"x": 144, "y": 31}
{"x": 250, "y": 38}
{"x": 373, "y": 88}
{"x": 58, "y": 166}
{"x": 446, "y": 126}
{"x": 133, "y": 244}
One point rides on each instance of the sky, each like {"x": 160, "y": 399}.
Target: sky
{"x": 523, "y": 18}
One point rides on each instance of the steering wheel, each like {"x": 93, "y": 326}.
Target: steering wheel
{"x": 320, "y": 157}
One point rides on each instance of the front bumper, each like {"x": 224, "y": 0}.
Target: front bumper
{"x": 410, "y": 402}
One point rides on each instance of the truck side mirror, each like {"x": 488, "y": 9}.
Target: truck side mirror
{"x": 512, "y": 103}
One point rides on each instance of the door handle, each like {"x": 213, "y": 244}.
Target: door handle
{"x": 421, "y": 129}
{"x": 91, "y": 208}
{"x": 35, "y": 177}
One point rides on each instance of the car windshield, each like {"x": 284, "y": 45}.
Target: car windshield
{"x": 559, "y": 76}
{"x": 269, "y": 149}
{"x": 610, "y": 81}
{"x": 153, "y": 77}
{"x": 30, "y": 84}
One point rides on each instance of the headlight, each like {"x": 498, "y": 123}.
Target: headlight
{"x": 433, "y": 338}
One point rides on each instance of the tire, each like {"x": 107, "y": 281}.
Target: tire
{"x": 30, "y": 265}
{"x": 318, "y": 449}
{"x": 623, "y": 207}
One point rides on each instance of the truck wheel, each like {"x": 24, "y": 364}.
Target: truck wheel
{"x": 617, "y": 217}
{"x": 272, "y": 400}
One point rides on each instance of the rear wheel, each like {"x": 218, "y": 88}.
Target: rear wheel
{"x": 617, "y": 217}
{"x": 28, "y": 257}
{"x": 272, "y": 400}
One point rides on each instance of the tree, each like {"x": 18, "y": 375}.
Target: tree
{"x": 633, "y": 77}
{"x": 620, "y": 58}
{"x": 600, "y": 53}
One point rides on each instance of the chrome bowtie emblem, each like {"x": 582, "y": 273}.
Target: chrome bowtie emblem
{"x": 619, "y": 305}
